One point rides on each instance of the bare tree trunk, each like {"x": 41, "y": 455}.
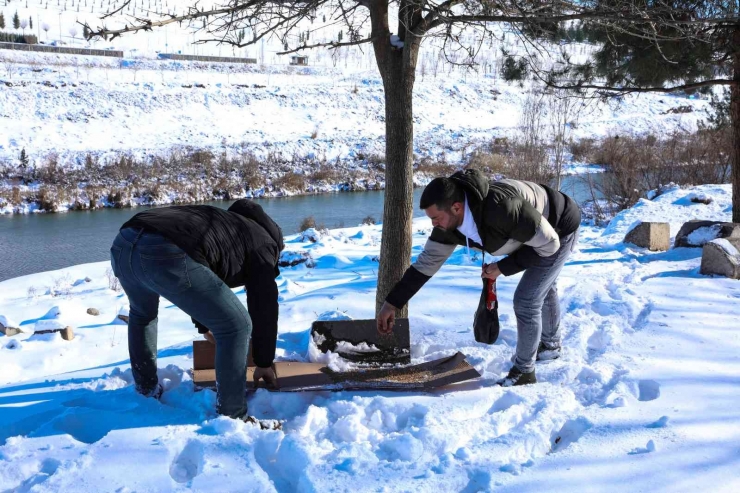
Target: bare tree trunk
{"x": 398, "y": 69}
{"x": 735, "y": 119}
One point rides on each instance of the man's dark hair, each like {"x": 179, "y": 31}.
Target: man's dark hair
{"x": 441, "y": 192}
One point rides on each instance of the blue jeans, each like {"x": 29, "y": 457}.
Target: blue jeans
{"x": 149, "y": 266}
{"x": 537, "y": 307}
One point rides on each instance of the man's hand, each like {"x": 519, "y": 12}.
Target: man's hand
{"x": 490, "y": 271}
{"x": 266, "y": 374}
{"x": 386, "y": 318}
{"x": 209, "y": 337}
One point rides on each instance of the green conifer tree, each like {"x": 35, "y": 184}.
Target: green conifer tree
{"x": 24, "y": 159}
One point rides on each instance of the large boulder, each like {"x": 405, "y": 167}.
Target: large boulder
{"x": 68, "y": 333}
{"x": 8, "y": 326}
{"x": 722, "y": 258}
{"x": 653, "y": 236}
{"x": 696, "y": 233}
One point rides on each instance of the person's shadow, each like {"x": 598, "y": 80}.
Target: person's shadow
{"x": 88, "y": 408}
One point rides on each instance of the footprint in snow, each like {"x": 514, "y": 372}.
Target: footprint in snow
{"x": 188, "y": 463}
{"x": 661, "y": 423}
{"x": 571, "y": 432}
{"x": 650, "y": 447}
{"x": 649, "y": 390}
{"x": 48, "y": 468}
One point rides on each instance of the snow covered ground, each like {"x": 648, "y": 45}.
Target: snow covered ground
{"x": 644, "y": 398}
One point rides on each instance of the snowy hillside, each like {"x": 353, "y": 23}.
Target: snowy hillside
{"x": 96, "y": 106}
{"x": 73, "y": 105}
{"x": 321, "y": 127}
{"x": 644, "y": 399}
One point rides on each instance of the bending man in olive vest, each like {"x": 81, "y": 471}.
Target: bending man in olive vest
{"x": 534, "y": 225}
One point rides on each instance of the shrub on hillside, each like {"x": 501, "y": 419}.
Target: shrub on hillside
{"x": 635, "y": 165}
{"x": 307, "y": 222}
{"x": 434, "y": 168}
{"x": 583, "y": 150}
{"x": 290, "y": 181}
{"x": 488, "y": 162}
{"x": 326, "y": 173}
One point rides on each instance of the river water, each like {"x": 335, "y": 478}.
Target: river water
{"x": 31, "y": 243}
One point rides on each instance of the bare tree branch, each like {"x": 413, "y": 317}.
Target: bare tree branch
{"x": 331, "y": 45}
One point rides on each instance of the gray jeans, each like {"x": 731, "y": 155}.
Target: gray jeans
{"x": 537, "y": 307}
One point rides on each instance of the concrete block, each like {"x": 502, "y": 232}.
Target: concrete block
{"x": 721, "y": 258}
{"x": 696, "y": 233}
{"x": 653, "y": 236}
{"x": 48, "y": 326}
{"x": 54, "y": 327}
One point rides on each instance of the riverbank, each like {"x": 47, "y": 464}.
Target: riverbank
{"x": 200, "y": 176}
{"x": 181, "y": 178}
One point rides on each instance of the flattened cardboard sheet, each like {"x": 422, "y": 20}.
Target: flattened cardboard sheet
{"x": 298, "y": 376}
{"x": 360, "y": 341}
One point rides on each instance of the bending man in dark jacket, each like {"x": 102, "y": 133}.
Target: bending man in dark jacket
{"x": 192, "y": 256}
{"x": 534, "y": 225}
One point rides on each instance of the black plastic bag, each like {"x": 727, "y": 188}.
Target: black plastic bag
{"x": 485, "y": 323}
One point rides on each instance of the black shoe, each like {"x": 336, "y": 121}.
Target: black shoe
{"x": 546, "y": 352}
{"x": 264, "y": 424}
{"x": 516, "y": 378}
{"x": 156, "y": 393}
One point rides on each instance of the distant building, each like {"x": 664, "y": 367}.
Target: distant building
{"x": 299, "y": 60}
